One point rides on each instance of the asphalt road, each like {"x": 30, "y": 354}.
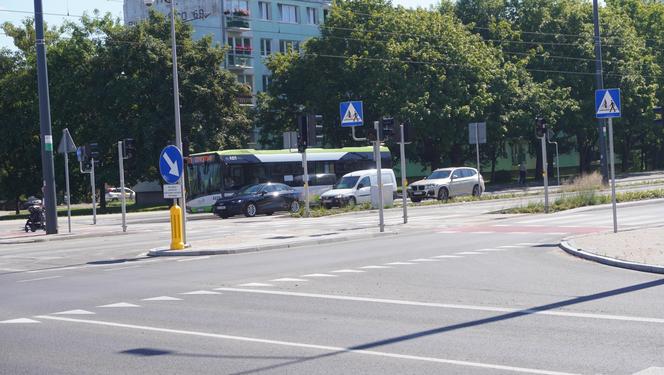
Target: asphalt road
{"x": 465, "y": 293}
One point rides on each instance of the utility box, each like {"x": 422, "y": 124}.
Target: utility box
{"x": 388, "y": 195}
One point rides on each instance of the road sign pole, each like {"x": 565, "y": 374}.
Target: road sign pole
{"x": 122, "y": 186}
{"x": 477, "y": 150}
{"x": 306, "y": 183}
{"x": 67, "y": 191}
{"x": 545, "y": 167}
{"x": 613, "y": 177}
{"x": 379, "y": 179}
{"x": 404, "y": 181}
{"x": 94, "y": 192}
{"x": 600, "y": 85}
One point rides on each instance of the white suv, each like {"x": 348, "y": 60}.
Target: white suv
{"x": 114, "y": 194}
{"x": 447, "y": 182}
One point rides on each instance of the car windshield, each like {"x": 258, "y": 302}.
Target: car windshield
{"x": 251, "y": 189}
{"x": 347, "y": 182}
{"x": 439, "y": 174}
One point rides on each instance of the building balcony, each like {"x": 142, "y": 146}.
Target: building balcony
{"x": 246, "y": 100}
{"x": 237, "y": 23}
{"x": 239, "y": 61}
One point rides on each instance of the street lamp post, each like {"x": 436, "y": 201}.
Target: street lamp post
{"x": 178, "y": 127}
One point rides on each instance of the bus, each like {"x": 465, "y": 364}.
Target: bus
{"x": 216, "y": 174}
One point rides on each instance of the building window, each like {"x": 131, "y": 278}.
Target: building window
{"x": 233, "y": 5}
{"x": 266, "y": 47}
{"x": 266, "y": 82}
{"x": 239, "y": 46}
{"x": 264, "y": 10}
{"x": 326, "y": 13}
{"x": 312, "y": 16}
{"x": 288, "y": 13}
{"x": 286, "y": 46}
{"x": 246, "y": 79}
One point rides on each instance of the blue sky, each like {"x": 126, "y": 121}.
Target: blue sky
{"x": 10, "y": 10}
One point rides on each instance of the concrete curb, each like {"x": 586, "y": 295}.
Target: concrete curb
{"x": 565, "y": 245}
{"x": 60, "y": 237}
{"x": 250, "y": 249}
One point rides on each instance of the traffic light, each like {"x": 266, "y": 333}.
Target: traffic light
{"x": 128, "y": 148}
{"x": 659, "y": 120}
{"x": 92, "y": 151}
{"x": 314, "y": 130}
{"x": 540, "y": 127}
{"x": 387, "y": 127}
{"x": 406, "y": 132}
{"x": 303, "y": 133}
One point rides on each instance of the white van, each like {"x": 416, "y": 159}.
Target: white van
{"x": 355, "y": 188}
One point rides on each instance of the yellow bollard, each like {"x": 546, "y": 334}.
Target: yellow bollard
{"x": 176, "y": 228}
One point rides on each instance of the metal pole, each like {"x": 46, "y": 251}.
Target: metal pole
{"x": 600, "y": 85}
{"x": 67, "y": 188}
{"x": 122, "y": 186}
{"x": 613, "y": 177}
{"x": 306, "y": 183}
{"x": 477, "y": 149}
{"x": 557, "y": 163}
{"x": 545, "y": 166}
{"x": 94, "y": 192}
{"x": 48, "y": 167}
{"x": 178, "y": 128}
{"x": 404, "y": 182}
{"x": 379, "y": 178}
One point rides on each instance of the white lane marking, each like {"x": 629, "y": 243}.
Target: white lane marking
{"x": 200, "y": 292}
{"x": 483, "y": 250}
{"x": 19, "y": 321}
{"x": 120, "y": 304}
{"x": 569, "y": 314}
{"x": 374, "y": 267}
{"x": 193, "y": 259}
{"x": 287, "y": 279}
{"x": 399, "y": 264}
{"x": 12, "y": 270}
{"x": 468, "y": 253}
{"x": 423, "y": 260}
{"x": 651, "y": 371}
{"x": 512, "y": 247}
{"x": 319, "y": 275}
{"x": 307, "y": 346}
{"x": 38, "y": 279}
{"x": 74, "y": 312}
{"x": 253, "y": 284}
{"x": 447, "y": 256}
{"x": 162, "y": 298}
{"x": 121, "y": 268}
{"x": 528, "y": 243}
{"x": 347, "y": 271}
{"x": 58, "y": 269}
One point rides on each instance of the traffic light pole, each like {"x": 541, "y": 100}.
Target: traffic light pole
{"x": 613, "y": 177}
{"x": 477, "y": 150}
{"x": 122, "y": 185}
{"x": 94, "y": 192}
{"x": 404, "y": 182}
{"x": 306, "y": 183}
{"x": 48, "y": 167}
{"x": 68, "y": 195}
{"x": 545, "y": 167}
{"x": 379, "y": 178}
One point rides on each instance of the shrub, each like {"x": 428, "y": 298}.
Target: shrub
{"x": 502, "y": 177}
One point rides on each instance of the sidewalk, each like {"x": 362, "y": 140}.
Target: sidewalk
{"x": 640, "y": 249}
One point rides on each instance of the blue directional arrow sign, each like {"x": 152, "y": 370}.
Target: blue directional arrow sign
{"x": 607, "y": 103}
{"x": 351, "y": 114}
{"x": 171, "y": 165}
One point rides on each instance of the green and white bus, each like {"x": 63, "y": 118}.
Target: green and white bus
{"x": 216, "y": 174}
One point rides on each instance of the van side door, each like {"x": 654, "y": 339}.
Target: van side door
{"x": 363, "y": 190}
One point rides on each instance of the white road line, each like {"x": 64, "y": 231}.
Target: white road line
{"x": 447, "y": 256}
{"x": 162, "y": 298}
{"x": 121, "y": 268}
{"x": 319, "y": 275}
{"x": 200, "y": 292}
{"x": 374, "y": 267}
{"x": 59, "y": 269}
{"x": 468, "y": 253}
{"x": 348, "y": 271}
{"x": 120, "y": 304}
{"x": 306, "y": 346}
{"x": 19, "y": 321}
{"x": 423, "y": 260}
{"x": 253, "y": 284}
{"x": 288, "y": 279}
{"x": 569, "y": 314}
{"x": 193, "y": 259}
{"x": 487, "y": 250}
{"x": 37, "y": 279}
{"x": 399, "y": 264}
{"x": 74, "y": 312}
{"x": 528, "y": 244}
{"x": 512, "y": 247}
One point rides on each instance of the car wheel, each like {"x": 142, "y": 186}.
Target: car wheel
{"x": 352, "y": 202}
{"x": 295, "y": 206}
{"x": 476, "y": 191}
{"x": 443, "y": 194}
{"x": 415, "y": 200}
{"x": 250, "y": 209}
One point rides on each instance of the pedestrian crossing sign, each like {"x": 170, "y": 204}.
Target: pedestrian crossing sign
{"x": 351, "y": 114}
{"x": 607, "y": 103}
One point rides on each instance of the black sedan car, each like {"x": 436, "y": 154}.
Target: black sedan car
{"x": 258, "y": 199}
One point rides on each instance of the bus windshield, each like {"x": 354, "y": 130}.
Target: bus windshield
{"x": 347, "y": 182}
{"x": 204, "y": 179}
